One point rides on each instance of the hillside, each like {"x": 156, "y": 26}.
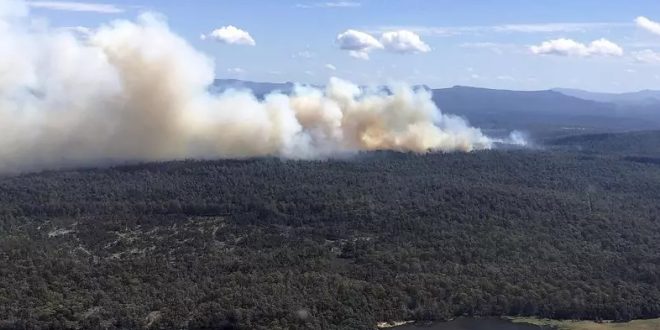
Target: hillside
{"x": 339, "y": 244}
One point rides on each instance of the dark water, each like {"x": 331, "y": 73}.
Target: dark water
{"x": 473, "y": 324}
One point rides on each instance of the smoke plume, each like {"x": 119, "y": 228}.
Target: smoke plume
{"x": 135, "y": 91}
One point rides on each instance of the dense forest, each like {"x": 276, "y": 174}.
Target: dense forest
{"x": 636, "y": 143}
{"x": 335, "y": 244}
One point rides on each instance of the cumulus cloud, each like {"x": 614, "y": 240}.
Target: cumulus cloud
{"x": 569, "y": 47}
{"x": 646, "y": 56}
{"x": 231, "y": 35}
{"x": 648, "y": 25}
{"x": 404, "y": 41}
{"x": 136, "y": 91}
{"x": 330, "y": 67}
{"x": 604, "y": 47}
{"x": 102, "y": 8}
{"x": 360, "y": 44}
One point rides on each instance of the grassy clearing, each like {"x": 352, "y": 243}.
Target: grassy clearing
{"x": 652, "y": 324}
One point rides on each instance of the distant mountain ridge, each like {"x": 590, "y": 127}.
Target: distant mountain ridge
{"x": 537, "y": 111}
{"x": 465, "y": 99}
{"x": 643, "y": 97}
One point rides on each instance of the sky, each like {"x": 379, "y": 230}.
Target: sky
{"x": 597, "y": 45}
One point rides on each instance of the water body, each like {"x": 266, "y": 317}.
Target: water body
{"x": 473, "y": 324}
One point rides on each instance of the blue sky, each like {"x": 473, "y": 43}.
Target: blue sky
{"x": 474, "y": 42}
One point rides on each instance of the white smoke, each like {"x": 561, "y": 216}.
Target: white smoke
{"x": 135, "y": 91}
{"x": 516, "y": 138}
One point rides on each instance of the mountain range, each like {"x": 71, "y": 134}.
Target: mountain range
{"x": 645, "y": 97}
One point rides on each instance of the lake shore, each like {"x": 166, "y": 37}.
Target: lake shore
{"x": 522, "y": 323}
{"x": 650, "y": 324}
{"x": 489, "y": 323}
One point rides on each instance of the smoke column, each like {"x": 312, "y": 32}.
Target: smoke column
{"x": 135, "y": 91}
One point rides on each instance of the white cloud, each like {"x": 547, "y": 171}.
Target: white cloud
{"x": 604, "y": 47}
{"x": 648, "y": 25}
{"x": 76, "y": 6}
{"x": 569, "y": 47}
{"x": 404, "y": 41}
{"x": 646, "y": 56}
{"x": 358, "y": 43}
{"x": 330, "y": 4}
{"x": 330, "y": 67}
{"x": 231, "y": 35}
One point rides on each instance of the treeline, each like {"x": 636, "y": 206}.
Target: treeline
{"x": 340, "y": 244}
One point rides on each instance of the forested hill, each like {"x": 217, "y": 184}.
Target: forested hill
{"x": 342, "y": 244}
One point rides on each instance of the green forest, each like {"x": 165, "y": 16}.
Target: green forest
{"x": 334, "y": 244}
